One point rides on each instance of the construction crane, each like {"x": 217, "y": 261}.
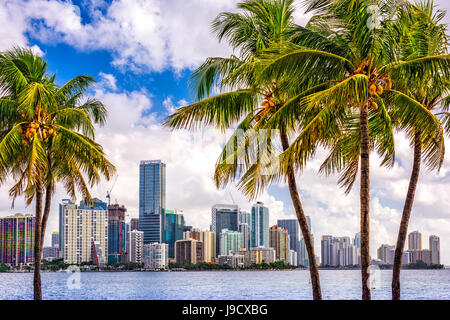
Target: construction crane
{"x": 108, "y": 193}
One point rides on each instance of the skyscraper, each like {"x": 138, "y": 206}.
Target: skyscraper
{"x": 259, "y": 226}
{"x": 338, "y": 251}
{"x": 208, "y": 239}
{"x": 303, "y": 259}
{"x": 357, "y": 240}
{"x": 85, "y": 232}
{"x": 134, "y": 224}
{"x": 279, "y": 240}
{"x": 293, "y": 228}
{"x": 223, "y": 216}
{"x": 17, "y": 239}
{"x": 415, "y": 240}
{"x": 152, "y": 200}
{"x": 62, "y": 206}
{"x": 156, "y": 256}
{"x": 383, "y": 253}
{"x": 230, "y": 241}
{"x": 117, "y": 234}
{"x": 244, "y": 223}
{"x": 136, "y": 252}
{"x": 174, "y": 229}
{"x": 188, "y": 251}
{"x": 435, "y": 249}
{"x": 55, "y": 240}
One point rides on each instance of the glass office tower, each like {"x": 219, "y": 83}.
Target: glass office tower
{"x": 223, "y": 216}
{"x": 152, "y": 200}
{"x": 174, "y": 230}
{"x": 259, "y": 226}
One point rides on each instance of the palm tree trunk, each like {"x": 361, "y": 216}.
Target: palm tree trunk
{"x": 313, "y": 269}
{"x": 37, "y": 246}
{"x": 365, "y": 201}
{"x": 48, "y": 202}
{"x": 401, "y": 238}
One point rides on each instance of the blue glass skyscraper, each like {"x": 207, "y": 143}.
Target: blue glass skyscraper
{"x": 223, "y": 217}
{"x": 152, "y": 200}
{"x": 259, "y": 226}
{"x": 174, "y": 230}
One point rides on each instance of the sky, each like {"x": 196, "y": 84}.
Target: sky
{"x": 142, "y": 53}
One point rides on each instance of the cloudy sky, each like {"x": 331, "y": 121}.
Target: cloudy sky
{"x": 142, "y": 53}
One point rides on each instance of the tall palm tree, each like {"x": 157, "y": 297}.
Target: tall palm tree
{"x": 261, "y": 25}
{"x": 420, "y": 33}
{"x": 47, "y": 136}
{"x": 347, "y": 41}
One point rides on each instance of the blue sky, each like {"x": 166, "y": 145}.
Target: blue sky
{"x": 142, "y": 52}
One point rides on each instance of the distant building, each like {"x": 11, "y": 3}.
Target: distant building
{"x": 17, "y": 239}
{"x": 136, "y": 253}
{"x": 415, "y": 240}
{"x": 338, "y": 252}
{"x": 293, "y": 228}
{"x": 259, "y": 255}
{"x": 425, "y": 256}
{"x": 259, "y": 226}
{"x": 230, "y": 241}
{"x": 152, "y": 200}
{"x": 117, "y": 234}
{"x": 279, "y": 240}
{"x": 134, "y": 224}
{"x": 97, "y": 254}
{"x": 55, "y": 240}
{"x": 234, "y": 260}
{"x": 188, "y": 251}
{"x": 357, "y": 240}
{"x": 384, "y": 253}
{"x": 304, "y": 259}
{"x": 244, "y": 226}
{"x": 50, "y": 253}
{"x": 223, "y": 216}
{"x": 435, "y": 248}
{"x": 174, "y": 229}
{"x": 156, "y": 256}
{"x": 208, "y": 239}
{"x": 62, "y": 220}
{"x": 85, "y": 226}
{"x": 293, "y": 260}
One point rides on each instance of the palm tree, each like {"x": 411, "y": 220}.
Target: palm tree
{"x": 263, "y": 24}
{"x": 47, "y": 136}
{"x": 419, "y": 31}
{"x": 347, "y": 42}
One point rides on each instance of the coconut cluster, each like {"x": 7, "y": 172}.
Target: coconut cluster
{"x": 267, "y": 105}
{"x": 30, "y": 129}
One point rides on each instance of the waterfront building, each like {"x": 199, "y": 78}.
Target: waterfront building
{"x": 425, "y": 256}
{"x": 384, "y": 253}
{"x": 49, "y": 253}
{"x": 156, "y": 256}
{"x": 62, "y": 207}
{"x": 223, "y": 216}
{"x": 235, "y": 260}
{"x": 338, "y": 252}
{"x": 293, "y": 260}
{"x": 152, "y": 200}
{"x": 244, "y": 223}
{"x": 136, "y": 252}
{"x": 230, "y": 241}
{"x": 279, "y": 240}
{"x": 188, "y": 251}
{"x": 357, "y": 240}
{"x": 259, "y": 226}
{"x": 435, "y": 248}
{"x": 55, "y": 240}
{"x": 293, "y": 228}
{"x": 303, "y": 259}
{"x": 97, "y": 254}
{"x": 208, "y": 239}
{"x": 17, "y": 239}
{"x": 174, "y": 229}
{"x": 259, "y": 255}
{"x": 415, "y": 241}
{"x": 85, "y": 226}
{"x": 117, "y": 234}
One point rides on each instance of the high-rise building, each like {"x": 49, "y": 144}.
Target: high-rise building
{"x": 435, "y": 248}
{"x": 152, "y": 200}
{"x": 384, "y": 253}
{"x": 223, "y": 216}
{"x": 117, "y": 234}
{"x": 293, "y": 260}
{"x": 55, "y": 240}
{"x": 244, "y": 223}
{"x": 304, "y": 259}
{"x": 134, "y": 224}
{"x": 188, "y": 251}
{"x": 174, "y": 229}
{"x": 230, "y": 241}
{"x": 415, "y": 241}
{"x": 293, "y": 228}
{"x": 85, "y": 229}
{"x": 208, "y": 239}
{"x": 62, "y": 206}
{"x": 50, "y": 252}
{"x": 357, "y": 240}
{"x": 259, "y": 226}
{"x": 425, "y": 255}
{"x": 156, "y": 256}
{"x": 338, "y": 251}
{"x": 17, "y": 239}
{"x": 136, "y": 252}
{"x": 259, "y": 255}
{"x": 279, "y": 240}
